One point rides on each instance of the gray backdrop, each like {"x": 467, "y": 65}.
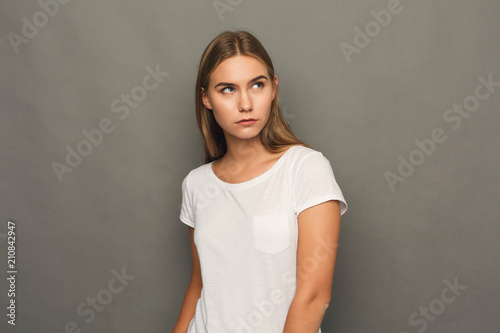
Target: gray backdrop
{"x": 401, "y": 97}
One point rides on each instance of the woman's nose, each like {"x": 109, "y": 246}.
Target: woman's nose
{"x": 245, "y": 102}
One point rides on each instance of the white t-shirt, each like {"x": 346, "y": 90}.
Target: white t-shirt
{"x": 246, "y": 237}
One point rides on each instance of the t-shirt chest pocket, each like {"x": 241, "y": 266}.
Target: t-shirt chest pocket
{"x": 271, "y": 233}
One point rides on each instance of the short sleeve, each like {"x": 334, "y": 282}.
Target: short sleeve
{"x": 315, "y": 183}
{"x": 186, "y": 215}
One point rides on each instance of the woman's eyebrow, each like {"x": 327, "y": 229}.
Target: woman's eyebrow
{"x": 260, "y": 77}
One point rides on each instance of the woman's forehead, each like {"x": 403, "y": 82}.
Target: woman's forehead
{"x": 239, "y": 69}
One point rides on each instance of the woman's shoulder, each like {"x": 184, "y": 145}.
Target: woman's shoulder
{"x": 300, "y": 152}
{"x": 302, "y": 148}
{"x": 308, "y": 160}
{"x": 197, "y": 174}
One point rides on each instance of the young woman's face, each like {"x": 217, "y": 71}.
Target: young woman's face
{"x": 240, "y": 88}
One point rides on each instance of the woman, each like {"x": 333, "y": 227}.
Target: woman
{"x": 263, "y": 211}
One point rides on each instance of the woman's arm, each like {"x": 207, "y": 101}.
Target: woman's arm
{"x": 193, "y": 291}
{"x": 319, "y": 228}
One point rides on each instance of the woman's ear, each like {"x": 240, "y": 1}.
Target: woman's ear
{"x": 205, "y": 100}
{"x": 275, "y": 86}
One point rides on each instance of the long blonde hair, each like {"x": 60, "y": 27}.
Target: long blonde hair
{"x": 276, "y": 135}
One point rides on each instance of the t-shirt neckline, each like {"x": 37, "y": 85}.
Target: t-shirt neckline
{"x": 253, "y": 180}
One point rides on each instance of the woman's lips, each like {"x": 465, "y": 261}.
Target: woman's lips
{"x": 247, "y": 122}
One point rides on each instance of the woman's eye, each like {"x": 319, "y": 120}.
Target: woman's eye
{"x": 259, "y": 85}
{"x": 225, "y": 90}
